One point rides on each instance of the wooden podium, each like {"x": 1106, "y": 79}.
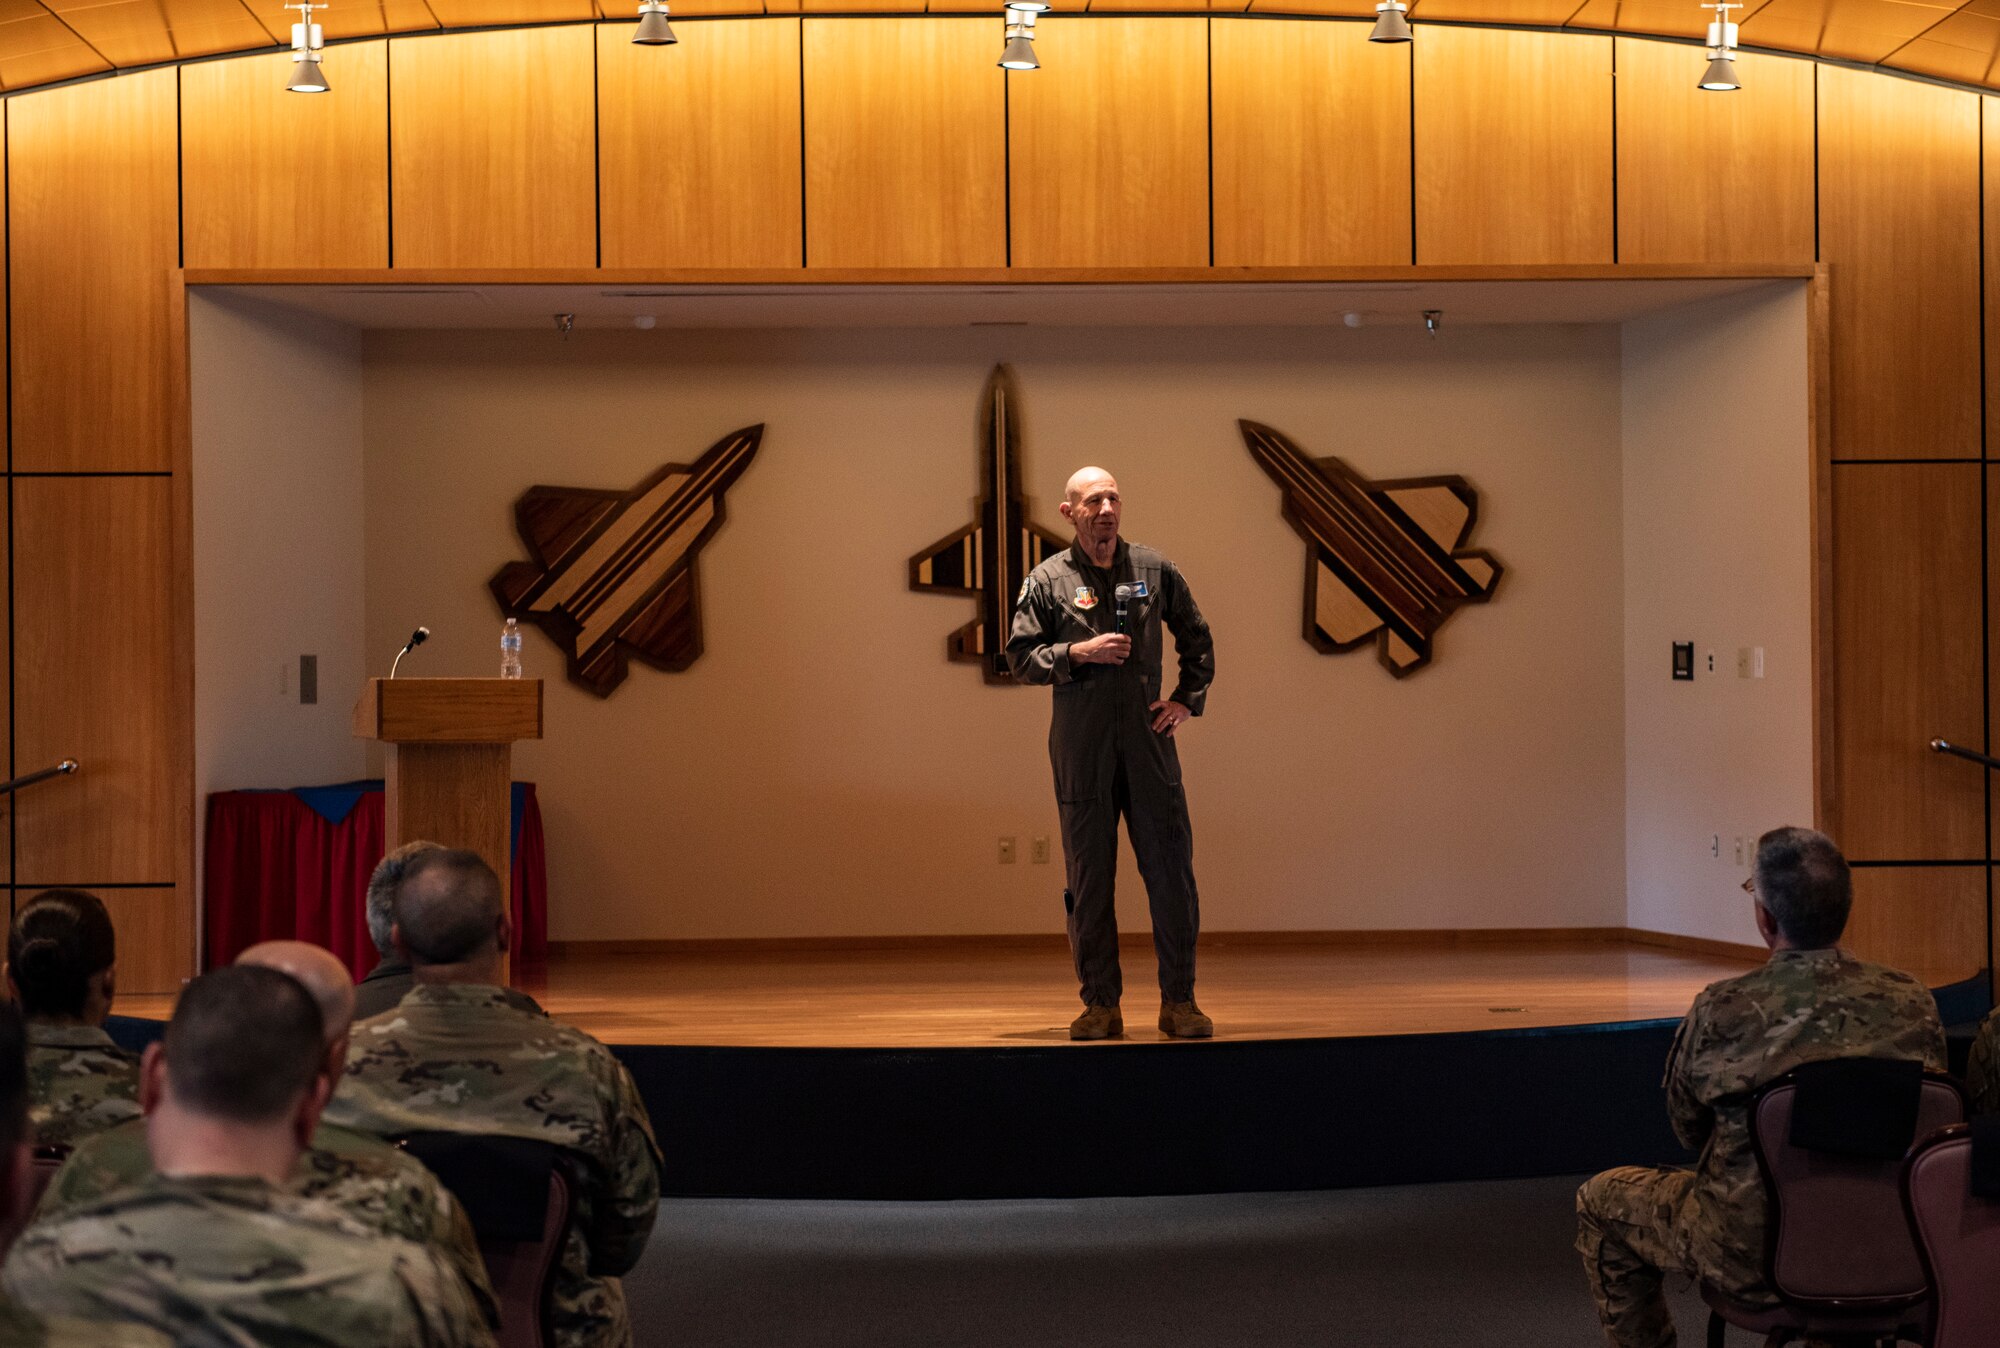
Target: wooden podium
{"x": 448, "y": 773}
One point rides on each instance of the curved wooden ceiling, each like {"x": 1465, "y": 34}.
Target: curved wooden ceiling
{"x": 45, "y": 41}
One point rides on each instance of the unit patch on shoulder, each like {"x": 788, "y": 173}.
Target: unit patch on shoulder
{"x": 1027, "y": 583}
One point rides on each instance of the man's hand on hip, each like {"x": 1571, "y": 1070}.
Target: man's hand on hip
{"x": 1167, "y": 716}
{"x": 1110, "y": 649}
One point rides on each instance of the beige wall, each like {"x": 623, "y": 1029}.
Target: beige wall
{"x": 1717, "y": 551}
{"x": 278, "y": 543}
{"x": 824, "y": 771}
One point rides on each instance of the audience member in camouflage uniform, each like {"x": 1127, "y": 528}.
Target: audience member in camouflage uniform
{"x": 375, "y": 1184}
{"x": 1808, "y": 1002}
{"x": 390, "y": 979}
{"x": 20, "y": 1327}
{"x": 60, "y": 955}
{"x": 211, "y": 1250}
{"x": 462, "y": 1054}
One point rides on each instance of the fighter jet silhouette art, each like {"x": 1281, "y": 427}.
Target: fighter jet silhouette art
{"x": 613, "y": 571}
{"x": 990, "y": 557}
{"x": 1383, "y": 559}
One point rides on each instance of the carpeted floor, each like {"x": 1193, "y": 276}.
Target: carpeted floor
{"x": 1485, "y": 1265}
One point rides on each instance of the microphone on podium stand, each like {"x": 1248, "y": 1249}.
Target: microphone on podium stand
{"x": 1123, "y": 594}
{"x": 417, "y": 638}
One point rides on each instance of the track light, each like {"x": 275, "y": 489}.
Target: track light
{"x": 1020, "y": 50}
{"x": 1390, "y": 25}
{"x": 1721, "y": 74}
{"x": 653, "y": 28}
{"x": 307, "y": 41}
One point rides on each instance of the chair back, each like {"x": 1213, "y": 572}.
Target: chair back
{"x": 1838, "y": 1236}
{"x": 1958, "y": 1235}
{"x": 517, "y": 1195}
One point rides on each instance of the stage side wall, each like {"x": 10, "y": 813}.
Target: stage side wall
{"x": 278, "y": 544}
{"x": 1717, "y": 490}
{"x": 824, "y": 771}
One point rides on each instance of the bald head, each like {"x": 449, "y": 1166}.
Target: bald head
{"x": 1092, "y": 505}
{"x": 1084, "y": 479}
{"x": 319, "y": 971}
{"x": 448, "y": 909}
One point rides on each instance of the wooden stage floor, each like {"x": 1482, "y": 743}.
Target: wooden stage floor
{"x": 986, "y": 997}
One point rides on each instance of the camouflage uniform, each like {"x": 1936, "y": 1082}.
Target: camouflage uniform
{"x": 371, "y": 1182}
{"x": 229, "y": 1260}
{"x": 79, "y": 1083}
{"x": 1982, "y": 1069}
{"x": 1636, "y": 1223}
{"x": 23, "y": 1329}
{"x": 486, "y": 1060}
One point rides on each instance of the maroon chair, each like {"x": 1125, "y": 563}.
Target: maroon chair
{"x": 1838, "y": 1249}
{"x": 521, "y": 1270}
{"x": 517, "y": 1194}
{"x": 1958, "y": 1236}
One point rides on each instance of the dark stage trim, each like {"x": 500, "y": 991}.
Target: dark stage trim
{"x": 1073, "y": 1121}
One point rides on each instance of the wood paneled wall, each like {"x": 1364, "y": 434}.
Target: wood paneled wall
{"x": 1506, "y": 179}
{"x": 1312, "y": 146}
{"x": 1108, "y": 146}
{"x": 94, "y": 231}
{"x": 879, "y": 142}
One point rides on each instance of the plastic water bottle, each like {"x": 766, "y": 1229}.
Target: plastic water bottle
{"x": 510, "y": 650}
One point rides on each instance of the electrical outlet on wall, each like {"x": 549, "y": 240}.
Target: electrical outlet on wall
{"x": 1739, "y": 849}
{"x": 1006, "y": 851}
{"x": 1038, "y": 850}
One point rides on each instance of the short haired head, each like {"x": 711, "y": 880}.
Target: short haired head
{"x": 319, "y": 972}
{"x": 389, "y": 873}
{"x": 59, "y": 942}
{"x": 1803, "y": 883}
{"x": 448, "y": 908}
{"x": 245, "y": 1044}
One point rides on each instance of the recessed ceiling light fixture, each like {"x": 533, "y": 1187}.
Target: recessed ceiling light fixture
{"x": 1019, "y": 54}
{"x": 1720, "y": 76}
{"x": 654, "y": 31}
{"x": 1390, "y": 25}
{"x": 307, "y": 41}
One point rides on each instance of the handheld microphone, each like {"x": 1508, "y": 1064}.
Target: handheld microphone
{"x": 417, "y": 638}
{"x": 1123, "y": 594}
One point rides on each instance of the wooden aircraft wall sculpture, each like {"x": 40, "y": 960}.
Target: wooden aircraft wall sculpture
{"x": 990, "y": 557}
{"x": 1383, "y": 559}
{"x": 613, "y": 573}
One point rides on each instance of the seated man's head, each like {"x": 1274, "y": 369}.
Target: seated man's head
{"x": 450, "y": 922}
{"x": 320, "y": 973}
{"x": 61, "y": 953}
{"x": 381, "y": 907}
{"x": 1802, "y": 888}
{"x": 235, "y": 1086}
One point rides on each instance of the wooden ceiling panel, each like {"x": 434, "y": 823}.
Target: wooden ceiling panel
{"x": 1655, "y": 18}
{"x": 1845, "y": 30}
{"x": 45, "y": 41}
{"x": 509, "y": 13}
{"x": 1965, "y": 47}
{"x": 343, "y": 21}
{"x": 144, "y": 32}
{"x": 1532, "y": 13}
{"x": 1169, "y": 6}
{"x": 41, "y": 51}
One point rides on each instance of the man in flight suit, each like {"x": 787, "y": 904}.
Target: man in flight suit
{"x": 1111, "y": 743}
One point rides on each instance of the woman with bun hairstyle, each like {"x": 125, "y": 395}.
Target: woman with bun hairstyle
{"x": 60, "y": 972}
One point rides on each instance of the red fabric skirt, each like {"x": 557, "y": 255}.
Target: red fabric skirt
{"x": 277, "y": 869}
